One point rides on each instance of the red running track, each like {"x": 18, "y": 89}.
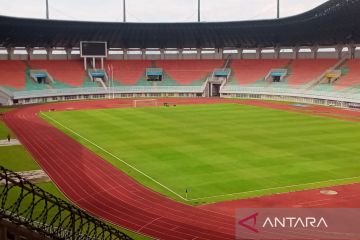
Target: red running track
{"x": 348, "y": 197}
{"x": 99, "y": 188}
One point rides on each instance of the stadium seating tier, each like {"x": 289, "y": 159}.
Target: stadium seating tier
{"x": 250, "y": 71}
{"x": 352, "y": 76}
{"x": 12, "y": 74}
{"x": 128, "y": 72}
{"x": 186, "y": 72}
{"x": 68, "y": 72}
{"x": 304, "y": 71}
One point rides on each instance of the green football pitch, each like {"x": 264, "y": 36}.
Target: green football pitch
{"x": 208, "y": 153}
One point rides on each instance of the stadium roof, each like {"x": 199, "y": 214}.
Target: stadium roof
{"x": 334, "y": 22}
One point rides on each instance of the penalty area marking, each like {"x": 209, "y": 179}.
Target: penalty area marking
{"x": 119, "y": 159}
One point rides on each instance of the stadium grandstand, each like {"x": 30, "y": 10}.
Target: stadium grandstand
{"x": 310, "y": 58}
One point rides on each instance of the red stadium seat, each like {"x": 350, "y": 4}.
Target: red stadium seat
{"x": 128, "y": 72}
{"x": 69, "y": 72}
{"x": 12, "y": 74}
{"x": 250, "y": 70}
{"x": 352, "y": 78}
{"x": 185, "y": 72}
{"x": 306, "y": 70}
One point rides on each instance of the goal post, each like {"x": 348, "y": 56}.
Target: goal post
{"x": 145, "y": 103}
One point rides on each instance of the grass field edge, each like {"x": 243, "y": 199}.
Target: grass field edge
{"x": 292, "y": 188}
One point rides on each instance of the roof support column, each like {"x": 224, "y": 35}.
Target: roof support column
{"x": 108, "y": 53}
{"x": 181, "y": 54}
{"x": 338, "y": 51}
{"x": 314, "y": 51}
{"x": 258, "y": 53}
{"x": 198, "y": 53}
{"x": 48, "y": 53}
{"x": 143, "y": 54}
{"x": 352, "y": 49}
{"x": 240, "y": 53}
{"x": 220, "y": 53}
{"x": 277, "y": 52}
{"x": 162, "y": 53}
{"x": 295, "y": 52}
{"x": 29, "y": 53}
{"x": 125, "y": 53}
{"x": 68, "y": 53}
{"x": 10, "y": 52}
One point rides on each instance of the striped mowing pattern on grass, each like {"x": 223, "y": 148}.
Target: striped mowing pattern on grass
{"x": 217, "y": 150}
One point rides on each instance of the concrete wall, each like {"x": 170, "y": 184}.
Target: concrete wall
{"x": 5, "y": 100}
{"x": 233, "y": 55}
{"x": 189, "y": 56}
{"x": 115, "y": 57}
{"x": 209, "y": 56}
{"x": 322, "y": 55}
{"x": 38, "y": 56}
{"x": 286, "y": 55}
{"x": 19, "y": 57}
{"x": 133, "y": 57}
{"x": 357, "y": 53}
{"x": 249, "y": 56}
{"x": 152, "y": 56}
{"x": 305, "y": 55}
{"x": 171, "y": 56}
{"x": 268, "y": 56}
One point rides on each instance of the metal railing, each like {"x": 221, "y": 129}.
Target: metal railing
{"x": 25, "y": 204}
{"x": 101, "y": 90}
{"x": 296, "y": 92}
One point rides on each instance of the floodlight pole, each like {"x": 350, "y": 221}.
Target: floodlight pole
{"x": 199, "y": 11}
{"x": 47, "y": 9}
{"x": 124, "y": 10}
{"x": 278, "y": 8}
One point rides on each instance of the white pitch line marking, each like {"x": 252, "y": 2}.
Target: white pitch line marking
{"x": 119, "y": 159}
{"x": 274, "y": 188}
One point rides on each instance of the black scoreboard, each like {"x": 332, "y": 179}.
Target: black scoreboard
{"x": 93, "y": 49}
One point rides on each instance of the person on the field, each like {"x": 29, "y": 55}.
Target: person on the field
{"x": 8, "y": 137}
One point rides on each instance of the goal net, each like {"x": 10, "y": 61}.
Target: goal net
{"x": 145, "y": 103}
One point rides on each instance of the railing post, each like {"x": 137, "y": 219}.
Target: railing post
{"x": 73, "y": 226}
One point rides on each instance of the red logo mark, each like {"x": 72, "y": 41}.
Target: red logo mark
{"x": 243, "y": 223}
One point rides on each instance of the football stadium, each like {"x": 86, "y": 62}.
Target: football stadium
{"x": 181, "y": 130}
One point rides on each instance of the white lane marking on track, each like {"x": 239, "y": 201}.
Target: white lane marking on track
{"x": 119, "y": 159}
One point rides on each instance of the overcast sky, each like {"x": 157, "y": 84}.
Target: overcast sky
{"x": 155, "y": 10}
